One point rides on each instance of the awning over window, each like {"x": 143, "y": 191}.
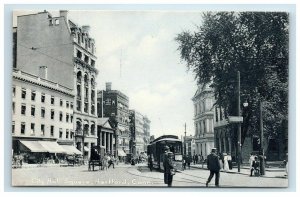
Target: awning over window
{"x": 71, "y": 150}
{"x": 52, "y": 147}
{"x": 34, "y": 146}
{"x": 86, "y": 149}
{"x": 121, "y": 153}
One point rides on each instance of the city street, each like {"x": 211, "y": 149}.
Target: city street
{"x": 138, "y": 176}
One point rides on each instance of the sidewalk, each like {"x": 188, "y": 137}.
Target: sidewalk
{"x": 274, "y": 172}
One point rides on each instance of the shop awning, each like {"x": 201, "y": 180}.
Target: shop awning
{"x": 121, "y": 153}
{"x": 71, "y": 149}
{"x": 86, "y": 149}
{"x": 52, "y": 147}
{"x": 34, "y": 146}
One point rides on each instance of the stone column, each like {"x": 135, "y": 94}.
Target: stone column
{"x": 108, "y": 141}
{"x": 225, "y": 148}
{"x": 229, "y": 143}
{"x": 105, "y": 141}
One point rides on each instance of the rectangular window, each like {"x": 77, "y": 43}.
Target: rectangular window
{"x": 79, "y": 54}
{"x": 52, "y": 114}
{"x": 42, "y": 129}
{"x": 32, "y": 129}
{"x": 33, "y": 94}
{"x": 52, "y": 131}
{"x": 67, "y": 104}
{"x": 60, "y": 133}
{"x": 23, "y": 128}
{"x": 23, "y": 109}
{"x": 23, "y": 93}
{"x": 61, "y": 102}
{"x": 71, "y": 119}
{"x": 32, "y": 110}
{"x": 93, "y": 63}
{"x": 221, "y": 114}
{"x": 13, "y": 127}
{"x": 43, "y": 112}
{"x": 50, "y": 22}
{"x": 13, "y": 107}
{"x": 52, "y": 100}
{"x": 67, "y": 134}
{"x": 71, "y": 105}
{"x": 60, "y": 116}
{"x": 67, "y": 118}
{"x": 14, "y": 91}
{"x": 86, "y": 59}
{"x": 43, "y": 98}
{"x": 71, "y": 134}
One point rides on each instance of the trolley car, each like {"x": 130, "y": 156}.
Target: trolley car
{"x": 156, "y": 150}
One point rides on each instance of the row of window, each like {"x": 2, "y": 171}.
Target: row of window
{"x": 68, "y": 116}
{"x": 88, "y": 44}
{"x": 43, "y": 98}
{"x": 86, "y": 58}
{"x": 69, "y": 134}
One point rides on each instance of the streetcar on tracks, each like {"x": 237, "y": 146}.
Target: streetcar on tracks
{"x": 156, "y": 150}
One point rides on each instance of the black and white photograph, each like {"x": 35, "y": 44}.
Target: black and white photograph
{"x": 150, "y": 98}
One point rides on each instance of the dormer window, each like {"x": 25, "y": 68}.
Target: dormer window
{"x": 50, "y": 22}
{"x": 56, "y": 21}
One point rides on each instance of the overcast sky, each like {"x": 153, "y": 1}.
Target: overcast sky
{"x": 137, "y": 52}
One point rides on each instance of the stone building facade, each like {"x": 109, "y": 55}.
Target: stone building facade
{"x": 68, "y": 53}
{"x": 204, "y": 119}
{"x": 42, "y": 111}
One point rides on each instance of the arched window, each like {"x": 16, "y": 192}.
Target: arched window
{"x": 79, "y": 76}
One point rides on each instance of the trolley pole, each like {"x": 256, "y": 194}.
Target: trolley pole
{"x": 239, "y": 124}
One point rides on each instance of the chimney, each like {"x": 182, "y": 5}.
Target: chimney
{"x": 108, "y": 86}
{"x": 43, "y": 72}
{"x": 64, "y": 13}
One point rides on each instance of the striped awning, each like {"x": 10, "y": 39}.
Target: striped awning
{"x": 71, "y": 150}
{"x": 52, "y": 147}
{"x": 34, "y": 146}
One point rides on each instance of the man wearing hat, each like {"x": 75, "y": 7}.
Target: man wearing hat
{"x": 213, "y": 165}
{"x": 168, "y": 166}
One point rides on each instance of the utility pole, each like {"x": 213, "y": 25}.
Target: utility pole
{"x": 261, "y": 128}
{"x": 184, "y": 138}
{"x": 239, "y": 124}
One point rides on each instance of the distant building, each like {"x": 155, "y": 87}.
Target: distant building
{"x": 146, "y": 131}
{"x": 68, "y": 53}
{"x": 42, "y": 114}
{"x": 190, "y": 146}
{"x": 137, "y": 142}
{"x": 204, "y": 119}
{"x": 114, "y": 104}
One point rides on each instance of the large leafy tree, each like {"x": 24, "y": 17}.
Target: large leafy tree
{"x": 254, "y": 43}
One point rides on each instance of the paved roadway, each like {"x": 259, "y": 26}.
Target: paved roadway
{"x": 136, "y": 176}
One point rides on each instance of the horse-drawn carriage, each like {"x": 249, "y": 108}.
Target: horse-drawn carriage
{"x": 95, "y": 159}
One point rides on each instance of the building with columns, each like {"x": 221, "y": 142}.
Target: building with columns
{"x": 114, "y": 104}
{"x": 204, "y": 119}
{"x": 106, "y": 136}
{"x": 68, "y": 52}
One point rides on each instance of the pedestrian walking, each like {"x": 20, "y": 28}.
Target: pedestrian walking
{"x": 213, "y": 164}
{"x": 169, "y": 170}
{"x": 226, "y": 165}
{"x": 229, "y": 159}
{"x": 196, "y": 159}
{"x": 189, "y": 160}
{"x": 105, "y": 162}
{"x": 150, "y": 161}
{"x": 251, "y": 159}
{"x": 111, "y": 161}
{"x": 255, "y": 167}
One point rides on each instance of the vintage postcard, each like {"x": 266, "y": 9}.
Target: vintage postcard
{"x": 150, "y": 98}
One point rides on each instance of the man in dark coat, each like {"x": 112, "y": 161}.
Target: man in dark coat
{"x": 168, "y": 167}
{"x": 213, "y": 165}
